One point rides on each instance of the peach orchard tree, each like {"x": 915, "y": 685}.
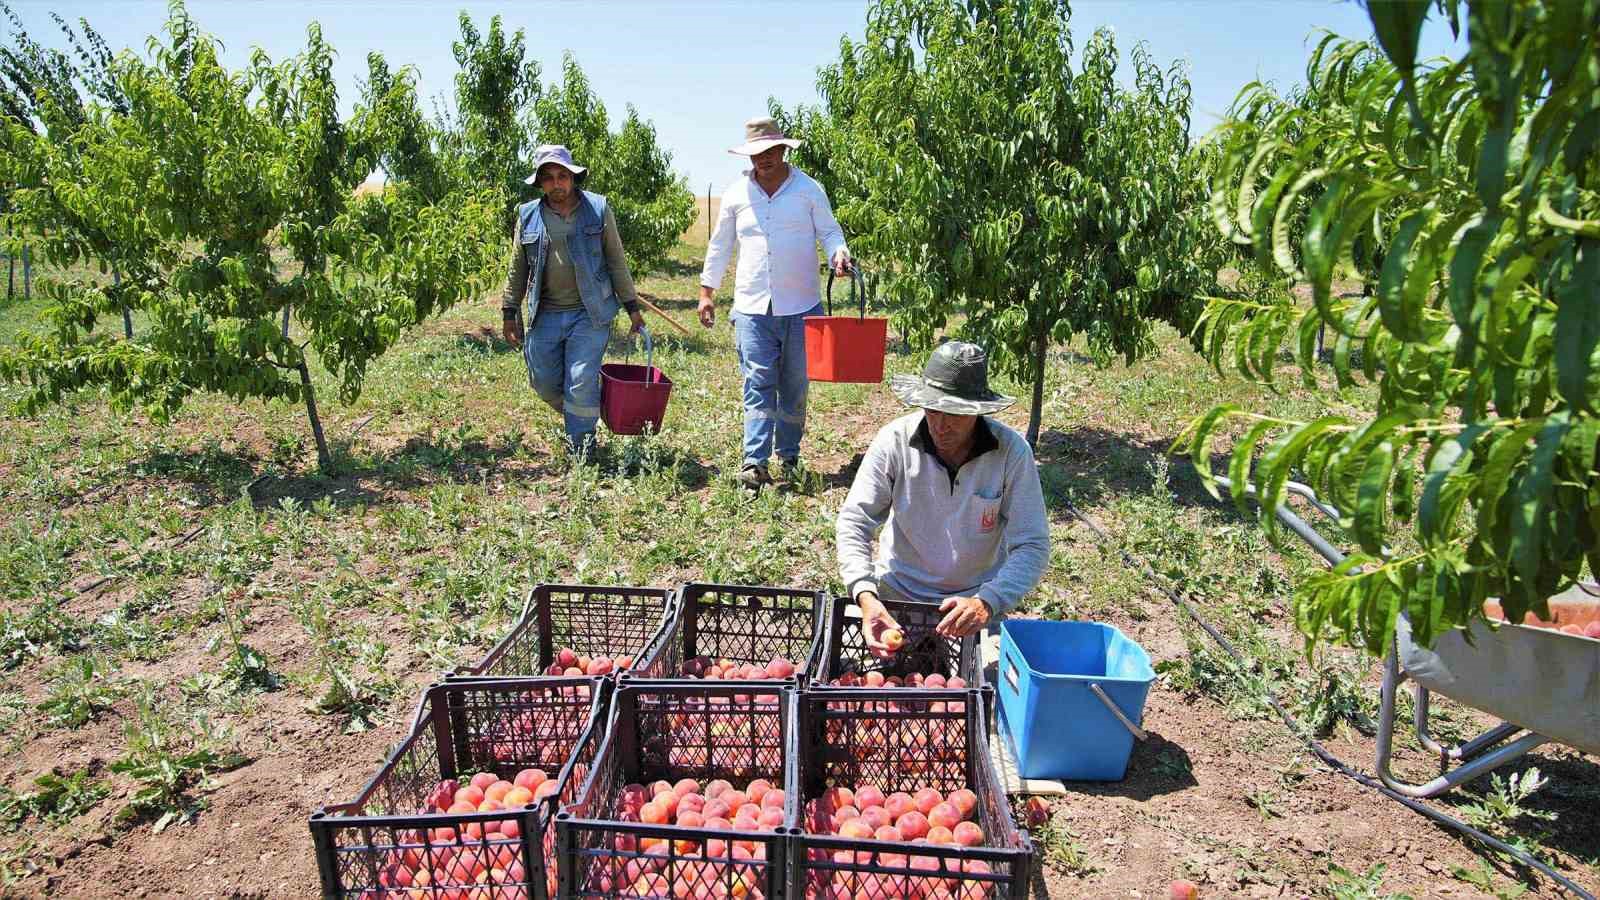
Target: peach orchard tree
{"x": 981, "y": 175}
{"x": 206, "y": 179}
{"x": 1466, "y": 195}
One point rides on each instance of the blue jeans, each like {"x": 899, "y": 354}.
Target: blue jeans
{"x": 564, "y": 349}
{"x": 772, "y": 358}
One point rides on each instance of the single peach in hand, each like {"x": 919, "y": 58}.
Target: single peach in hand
{"x": 894, "y": 639}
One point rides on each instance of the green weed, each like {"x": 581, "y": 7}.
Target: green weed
{"x": 1346, "y": 885}
{"x": 55, "y": 799}
{"x": 171, "y": 757}
{"x": 80, "y": 690}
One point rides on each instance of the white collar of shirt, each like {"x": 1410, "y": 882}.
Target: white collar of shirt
{"x": 756, "y": 185}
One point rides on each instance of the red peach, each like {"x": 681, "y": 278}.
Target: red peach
{"x": 1183, "y": 889}
{"x": 779, "y": 668}
{"x": 855, "y": 828}
{"x": 734, "y": 798}
{"x": 757, "y": 789}
{"x": 716, "y": 788}
{"x": 772, "y": 799}
{"x": 888, "y": 833}
{"x": 572, "y": 672}
{"x": 968, "y": 834}
{"x": 913, "y": 825}
{"x": 657, "y": 788}
{"x": 934, "y": 681}
{"x": 546, "y": 789}
{"x": 876, "y": 816}
{"x": 566, "y": 657}
{"x": 874, "y": 680}
{"x": 964, "y": 801}
{"x": 845, "y": 813}
{"x": 686, "y": 786}
{"x": 944, "y": 814}
{"x": 652, "y": 814}
{"x": 462, "y": 806}
{"x": 893, "y": 639}
{"x": 530, "y": 778}
{"x": 716, "y": 809}
{"x": 772, "y": 817}
{"x": 927, "y": 799}
{"x": 869, "y": 795}
{"x": 691, "y": 819}
{"x": 955, "y": 681}
{"x": 899, "y": 803}
{"x": 939, "y": 834}
{"x": 483, "y": 780}
{"x": 840, "y": 797}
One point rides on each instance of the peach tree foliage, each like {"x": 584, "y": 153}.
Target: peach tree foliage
{"x": 502, "y": 113}
{"x": 208, "y": 180}
{"x": 1466, "y": 195}
{"x": 983, "y": 175}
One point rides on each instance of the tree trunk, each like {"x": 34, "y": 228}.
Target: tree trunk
{"x": 286, "y": 322}
{"x": 1041, "y": 343}
{"x": 127, "y": 316}
{"x": 324, "y": 458}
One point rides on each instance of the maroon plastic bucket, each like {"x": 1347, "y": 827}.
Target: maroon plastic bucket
{"x": 634, "y": 397}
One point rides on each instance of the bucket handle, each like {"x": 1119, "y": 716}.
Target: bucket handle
{"x": 1136, "y": 731}
{"x": 649, "y": 355}
{"x": 856, "y": 298}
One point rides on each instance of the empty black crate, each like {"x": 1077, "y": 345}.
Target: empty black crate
{"x": 387, "y": 838}
{"x": 668, "y": 731}
{"x": 616, "y": 622}
{"x": 741, "y": 624}
{"x": 844, "y": 646}
{"x": 897, "y": 740}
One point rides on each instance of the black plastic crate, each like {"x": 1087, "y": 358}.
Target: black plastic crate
{"x": 588, "y": 619}
{"x": 844, "y": 646}
{"x": 386, "y": 836}
{"x": 740, "y": 623}
{"x": 898, "y": 740}
{"x": 667, "y": 731}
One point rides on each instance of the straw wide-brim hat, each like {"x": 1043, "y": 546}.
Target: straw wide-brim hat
{"x": 763, "y": 134}
{"x": 553, "y": 154}
{"x": 955, "y": 381}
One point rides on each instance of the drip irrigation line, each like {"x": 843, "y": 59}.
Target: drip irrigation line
{"x": 1315, "y": 746}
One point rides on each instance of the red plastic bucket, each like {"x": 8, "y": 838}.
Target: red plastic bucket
{"x": 632, "y": 397}
{"x": 842, "y": 349}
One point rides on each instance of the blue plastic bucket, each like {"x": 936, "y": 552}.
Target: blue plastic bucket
{"x": 1060, "y": 728}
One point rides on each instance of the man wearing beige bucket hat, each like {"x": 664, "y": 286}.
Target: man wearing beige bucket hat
{"x": 957, "y": 497}
{"x": 568, "y": 269}
{"x": 775, "y": 215}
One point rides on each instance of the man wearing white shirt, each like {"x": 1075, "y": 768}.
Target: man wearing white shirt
{"x": 777, "y": 215}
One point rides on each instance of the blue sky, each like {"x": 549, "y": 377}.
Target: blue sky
{"x": 699, "y": 69}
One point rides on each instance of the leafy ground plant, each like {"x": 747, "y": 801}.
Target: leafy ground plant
{"x": 54, "y": 798}
{"x": 171, "y": 757}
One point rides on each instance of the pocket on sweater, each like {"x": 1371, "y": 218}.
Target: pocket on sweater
{"x": 986, "y": 514}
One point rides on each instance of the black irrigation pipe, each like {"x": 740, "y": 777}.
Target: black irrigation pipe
{"x": 1333, "y": 762}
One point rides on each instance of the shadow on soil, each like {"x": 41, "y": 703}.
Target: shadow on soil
{"x": 1570, "y": 796}
{"x": 1158, "y": 766}
{"x": 1091, "y": 466}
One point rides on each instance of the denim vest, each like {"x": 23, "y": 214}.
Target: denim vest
{"x": 588, "y": 256}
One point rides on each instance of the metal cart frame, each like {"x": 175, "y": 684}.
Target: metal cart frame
{"x": 1493, "y": 748}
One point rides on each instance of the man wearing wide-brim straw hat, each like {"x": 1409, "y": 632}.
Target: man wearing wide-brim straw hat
{"x": 957, "y": 497}
{"x": 776, "y": 215}
{"x": 568, "y": 266}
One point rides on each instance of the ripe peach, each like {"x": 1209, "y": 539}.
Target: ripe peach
{"x": 444, "y": 794}
{"x": 843, "y": 814}
{"x": 955, "y": 681}
{"x": 716, "y": 809}
{"x": 657, "y": 788}
{"x": 483, "y": 780}
{"x": 691, "y": 819}
{"x": 530, "y": 778}
{"x": 888, "y": 833}
{"x": 927, "y": 799}
{"x": 899, "y": 803}
{"x": 652, "y": 814}
{"x": 855, "y": 828}
{"x": 757, "y": 789}
{"x": 1592, "y": 630}
{"x": 716, "y": 787}
{"x": 876, "y": 816}
{"x": 518, "y": 796}
{"x": 1037, "y": 812}
{"x": 913, "y": 825}
{"x": 734, "y": 798}
{"x": 779, "y": 668}
{"x": 868, "y": 795}
{"x": 462, "y": 806}
{"x": 772, "y": 799}
{"x": 894, "y": 639}
{"x": 840, "y": 797}
{"x": 511, "y": 828}
{"x": 939, "y": 834}
{"x": 1183, "y": 889}
{"x": 600, "y": 665}
{"x": 693, "y": 802}
{"x": 566, "y": 657}
{"x": 771, "y": 817}
{"x": 964, "y": 801}
{"x": 944, "y": 814}
{"x": 686, "y": 786}
{"x": 572, "y": 672}
{"x": 874, "y": 680}
{"x": 934, "y": 681}
{"x": 546, "y": 789}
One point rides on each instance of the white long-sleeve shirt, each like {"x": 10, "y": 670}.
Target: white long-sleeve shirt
{"x": 979, "y": 531}
{"x": 776, "y": 239}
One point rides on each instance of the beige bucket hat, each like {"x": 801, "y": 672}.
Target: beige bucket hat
{"x": 762, "y": 134}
